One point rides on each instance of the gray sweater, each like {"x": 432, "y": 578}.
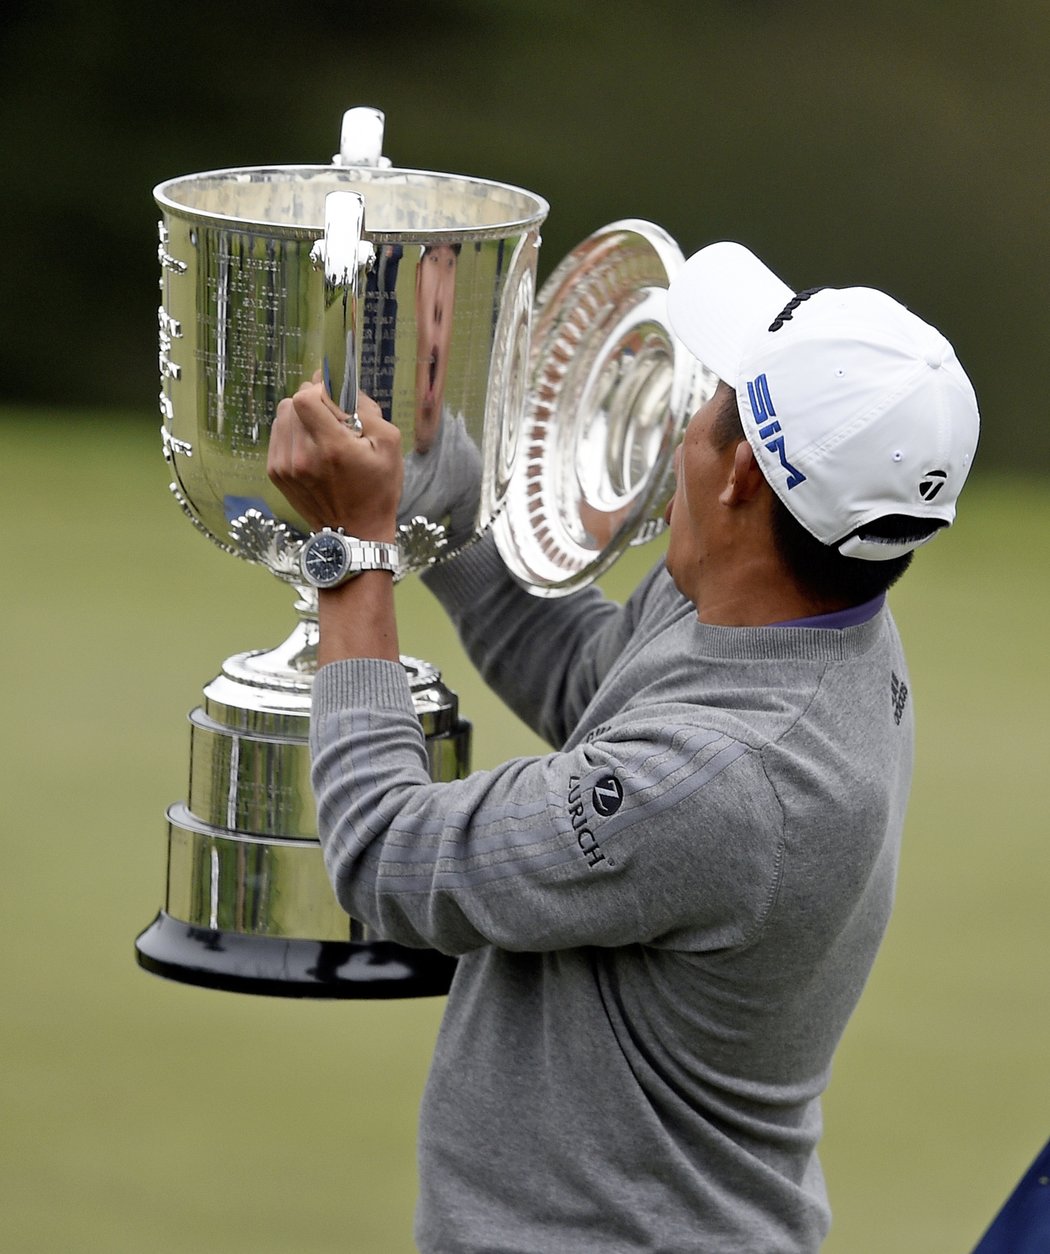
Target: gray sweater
{"x": 664, "y": 924}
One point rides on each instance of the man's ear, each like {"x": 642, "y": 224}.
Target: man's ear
{"x": 746, "y": 480}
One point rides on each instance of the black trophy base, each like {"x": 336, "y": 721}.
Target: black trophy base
{"x": 275, "y": 967}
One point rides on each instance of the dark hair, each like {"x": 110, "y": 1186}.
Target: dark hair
{"x": 821, "y": 570}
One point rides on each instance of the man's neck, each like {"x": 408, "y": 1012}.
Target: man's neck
{"x": 756, "y": 594}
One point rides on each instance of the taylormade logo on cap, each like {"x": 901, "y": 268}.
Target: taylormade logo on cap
{"x": 855, "y": 408}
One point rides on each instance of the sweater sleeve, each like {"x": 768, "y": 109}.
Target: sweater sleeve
{"x": 656, "y": 830}
{"x": 543, "y": 657}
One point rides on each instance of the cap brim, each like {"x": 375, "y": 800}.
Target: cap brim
{"x": 719, "y": 301}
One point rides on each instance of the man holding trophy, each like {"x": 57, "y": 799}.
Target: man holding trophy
{"x": 664, "y": 924}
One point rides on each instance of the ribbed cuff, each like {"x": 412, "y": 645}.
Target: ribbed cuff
{"x": 369, "y": 682}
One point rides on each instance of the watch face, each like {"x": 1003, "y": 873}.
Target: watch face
{"x": 324, "y": 559}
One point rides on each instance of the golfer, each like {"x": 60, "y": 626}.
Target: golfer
{"x": 665, "y": 923}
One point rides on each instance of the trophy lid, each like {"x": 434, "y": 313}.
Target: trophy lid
{"x": 610, "y": 390}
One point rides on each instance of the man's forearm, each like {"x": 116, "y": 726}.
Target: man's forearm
{"x": 357, "y": 619}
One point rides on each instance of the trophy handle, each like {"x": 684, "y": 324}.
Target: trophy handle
{"x": 345, "y": 257}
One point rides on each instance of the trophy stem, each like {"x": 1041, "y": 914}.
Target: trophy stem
{"x": 292, "y": 664}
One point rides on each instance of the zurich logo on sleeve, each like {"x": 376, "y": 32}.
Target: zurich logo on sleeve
{"x": 769, "y": 430}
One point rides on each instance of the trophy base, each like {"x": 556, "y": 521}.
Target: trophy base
{"x": 249, "y": 907}
{"x": 290, "y": 967}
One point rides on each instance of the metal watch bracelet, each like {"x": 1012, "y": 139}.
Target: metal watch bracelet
{"x": 369, "y": 554}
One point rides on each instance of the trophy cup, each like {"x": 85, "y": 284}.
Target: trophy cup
{"x": 551, "y": 421}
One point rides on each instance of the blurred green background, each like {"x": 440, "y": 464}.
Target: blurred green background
{"x": 900, "y": 143}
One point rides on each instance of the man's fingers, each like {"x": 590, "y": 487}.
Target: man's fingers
{"x": 368, "y": 411}
{"x": 310, "y": 434}
{"x": 315, "y": 409}
{"x": 313, "y": 405}
{"x": 330, "y": 476}
{"x": 279, "y": 452}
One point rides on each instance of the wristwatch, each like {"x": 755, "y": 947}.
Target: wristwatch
{"x": 330, "y": 557}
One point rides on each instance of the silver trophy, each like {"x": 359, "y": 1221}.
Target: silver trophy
{"x": 550, "y": 420}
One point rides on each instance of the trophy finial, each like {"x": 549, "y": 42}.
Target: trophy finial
{"x": 361, "y": 138}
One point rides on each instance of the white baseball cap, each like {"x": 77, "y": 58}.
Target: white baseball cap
{"x": 855, "y": 408}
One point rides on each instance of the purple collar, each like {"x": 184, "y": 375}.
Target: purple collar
{"x": 851, "y": 617}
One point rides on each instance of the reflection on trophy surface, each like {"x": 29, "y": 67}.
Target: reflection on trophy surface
{"x": 553, "y": 427}
{"x": 435, "y": 303}
{"x": 443, "y": 463}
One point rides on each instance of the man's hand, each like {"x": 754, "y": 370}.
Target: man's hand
{"x": 332, "y": 477}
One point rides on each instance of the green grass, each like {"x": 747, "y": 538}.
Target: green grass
{"x": 144, "y": 1115}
